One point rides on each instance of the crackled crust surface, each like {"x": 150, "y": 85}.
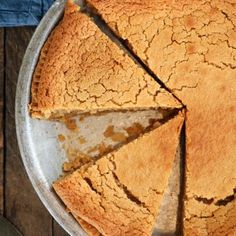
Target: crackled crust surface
{"x": 211, "y": 219}
{"x": 81, "y": 69}
{"x": 116, "y": 200}
{"x": 191, "y": 46}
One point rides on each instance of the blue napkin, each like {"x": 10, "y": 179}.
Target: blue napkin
{"x": 22, "y": 12}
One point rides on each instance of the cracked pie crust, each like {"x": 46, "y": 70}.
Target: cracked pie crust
{"x": 191, "y": 47}
{"x": 81, "y": 70}
{"x": 121, "y": 193}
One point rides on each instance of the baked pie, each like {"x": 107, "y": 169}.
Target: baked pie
{"x": 191, "y": 47}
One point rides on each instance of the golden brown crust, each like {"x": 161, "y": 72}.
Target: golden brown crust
{"x": 118, "y": 201}
{"x": 221, "y": 222}
{"x": 81, "y": 69}
{"x": 191, "y": 46}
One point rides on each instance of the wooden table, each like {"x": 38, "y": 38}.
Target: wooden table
{"x": 18, "y": 200}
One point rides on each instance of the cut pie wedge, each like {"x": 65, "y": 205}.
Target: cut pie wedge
{"x": 121, "y": 193}
{"x": 81, "y": 70}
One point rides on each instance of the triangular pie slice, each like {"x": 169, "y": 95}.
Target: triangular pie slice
{"x": 144, "y": 26}
{"x": 121, "y": 193}
{"x": 81, "y": 70}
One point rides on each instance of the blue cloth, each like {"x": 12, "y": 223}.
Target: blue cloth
{"x": 22, "y": 12}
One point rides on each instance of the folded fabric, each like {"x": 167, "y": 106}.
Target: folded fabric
{"x": 22, "y": 12}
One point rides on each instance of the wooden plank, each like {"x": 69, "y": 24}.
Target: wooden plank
{"x": 1, "y": 120}
{"x": 58, "y": 230}
{"x": 22, "y": 206}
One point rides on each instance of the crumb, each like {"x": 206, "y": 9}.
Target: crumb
{"x": 70, "y": 124}
{"x": 81, "y": 119}
{"x": 154, "y": 123}
{"x": 118, "y": 137}
{"x": 82, "y": 140}
{"x": 151, "y": 121}
{"x": 72, "y": 154}
{"x": 109, "y": 131}
{"x": 93, "y": 149}
{"x": 103, "y": 149}
{"x": 114, "y": 136}
{"x": 76, "y": 163}
{"x": 134, "y": 130}
{"x": 61, "y": 137}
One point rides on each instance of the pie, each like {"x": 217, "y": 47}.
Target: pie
{"x": 81, "y": 70}
{"x": 117, "y": 200}
{"x": 190, "y": 46}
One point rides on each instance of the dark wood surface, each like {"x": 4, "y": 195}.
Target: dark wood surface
{"x": 19, "y": 202}
{"x": 1, "y": 119}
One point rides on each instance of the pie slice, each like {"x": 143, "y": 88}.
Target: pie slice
{"x": 81, "y": 70}
{"x": 121, "y": 193}
{"x": 191, "y": 46}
